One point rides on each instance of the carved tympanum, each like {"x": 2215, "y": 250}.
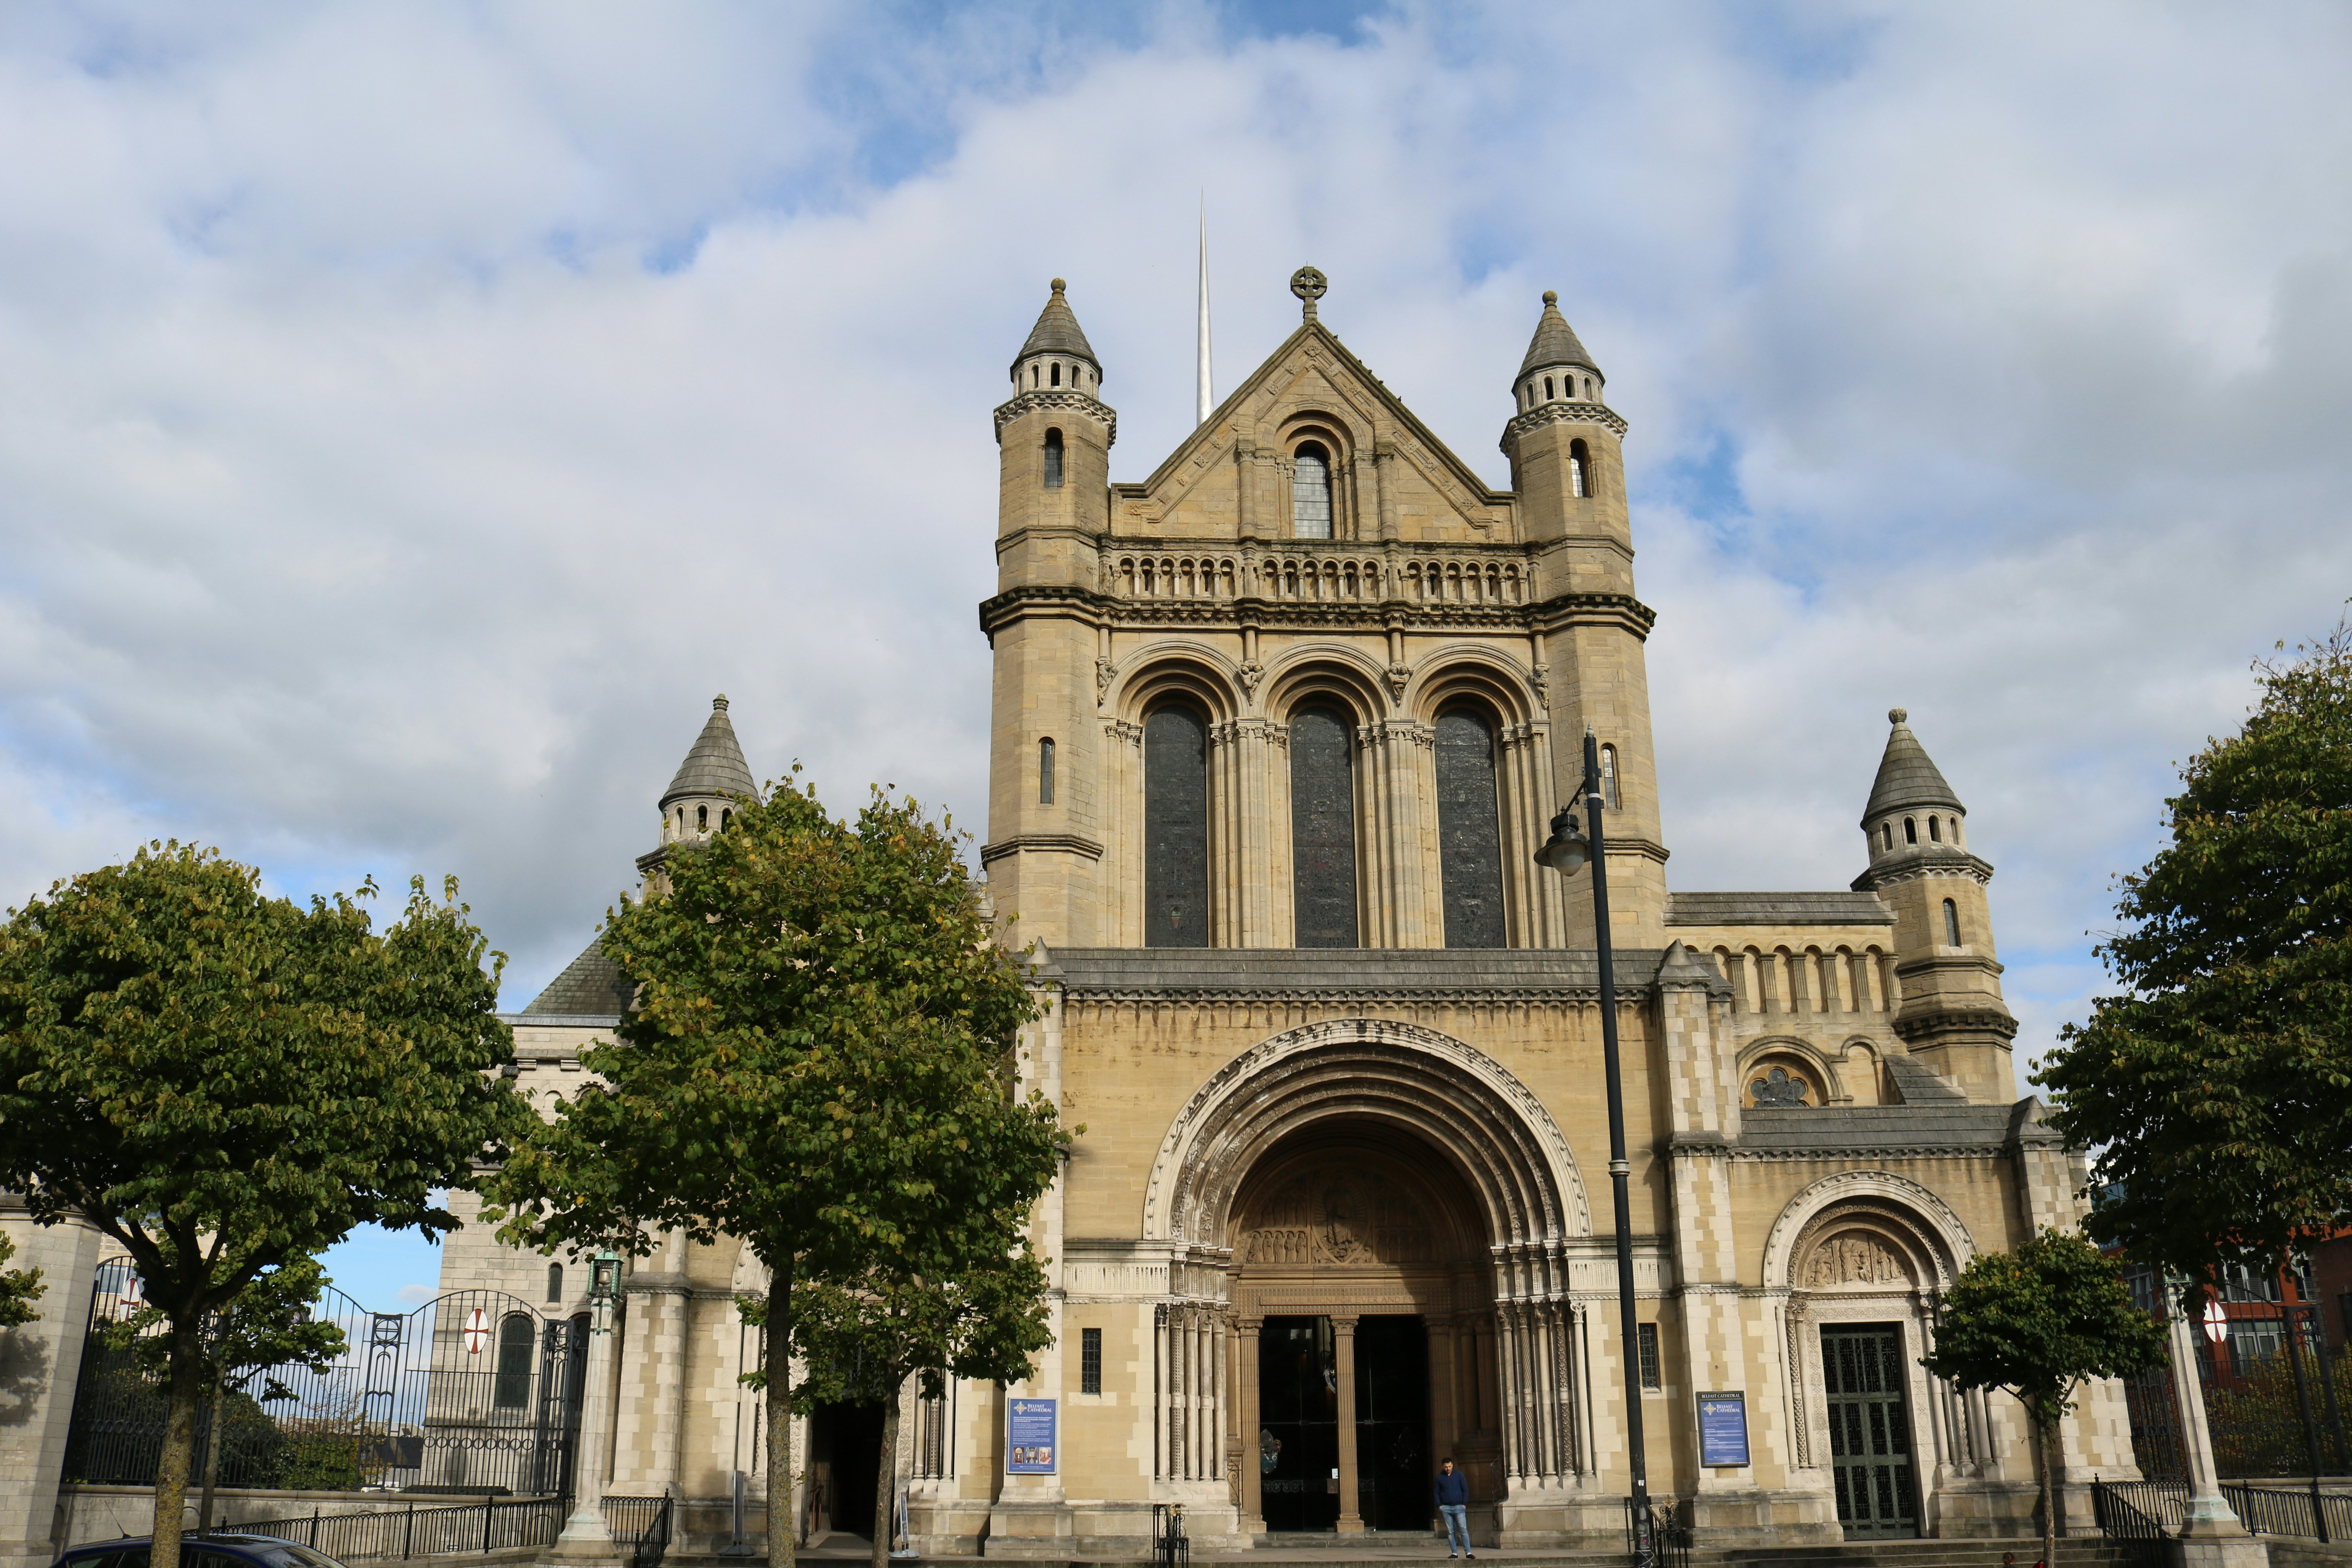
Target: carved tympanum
{"x": 1350, "y": 1219}
{"x": 1853, "y": 1258}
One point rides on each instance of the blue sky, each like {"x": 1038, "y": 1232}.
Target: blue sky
{"x": 411, "y": 414}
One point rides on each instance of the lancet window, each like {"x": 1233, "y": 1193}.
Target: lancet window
{"x": 1175, "y": 827}
{"x": 1469, "y": 830}
{"x": 1310, "y": 492}
{"x": 1323, "y": 828}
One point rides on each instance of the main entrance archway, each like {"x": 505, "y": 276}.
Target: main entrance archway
{"x": 1374, "y": 1218}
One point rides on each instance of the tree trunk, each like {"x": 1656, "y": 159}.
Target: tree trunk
{"x": 779, "y": 1358}
{"x": 179, "y": 1440}
{"x": 2043, "y": 1434}
{"x": 886, "y": 1483}
{"x": 212, "y": 1437}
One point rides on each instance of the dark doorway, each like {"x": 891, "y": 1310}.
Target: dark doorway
{"x": 1863, "y": 1371}
{"x": 1298, "y": 1408}
{"x": 1393, "y": 1460}
{"x": 846, "y": 1465}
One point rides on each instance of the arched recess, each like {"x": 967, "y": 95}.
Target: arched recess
{"x": 1337, "y": 437}
{"x": 1477, "y": 680}
{"x": 1197, "y": 677}
{"x": 1340, "y": 682}
{"x": 1871, "y": 1253}
{"x": 1759, "y": 1057}
{"x": 1489, "y": 1153}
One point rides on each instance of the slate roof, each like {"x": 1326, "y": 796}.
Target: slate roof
{"x": 1830, "y": 909}
{"x": 1555, "y": 341}
{"x": 1364, "y": 972}
{"x": 1906, "y": 775}
{"x": 1884, "y": 1128}
{"x": 1058, "y": 332}
{"x": 590, "y": 986}
{"x": 716, "y": 765}
{"x": 1919, "y": 1086}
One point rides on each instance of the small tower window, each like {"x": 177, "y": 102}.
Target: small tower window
{"x": 1588, "y": 389}
{"x": 556, "y": 1282}
{"x": 1046, "y": 772}
{"x": 1951, "y": 923}
{"x": 702, "y": 819}
{"x": 1935, "y": 830}
{"x": 1580, "y": 469}
{"x": 1310, "y": 493}
{"x": 725, "y": 818}
{"x": 1054, "y": 377}
{"x": 1609, "y": 777}
{"x": 1910, "y": 830}
{"x": 1546, "y": 389}
{"x": 1053, "y": 460}
{"x": 1886, "y": 835}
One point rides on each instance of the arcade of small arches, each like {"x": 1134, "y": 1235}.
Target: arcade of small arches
{"x": 1787, "y": 981}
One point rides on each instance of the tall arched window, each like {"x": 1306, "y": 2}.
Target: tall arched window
{"x": 511, "y": 1386}
{"x": 1054, "y": 378}
{"x": 1546, "y": 389}
{"x": 702, "y": 819}
{"x": 1053, "y": 460}
{"x": 1323, "y": 828}
{"x": 1310, "y": 493}
{"x": 724, "y": 817}
{"x": 1951, "y": 923}
{"x": 1886, "y": 834}
{"x": 1936, "y": 829}
{"x": 555, "y": 1283}
{"x": 1469, "y": 830}
{"x": 1175, "y": 828}
{"x": 1609, "y": 777}
{"x": 1910, "y": 830}
{"x": 1580, "y": 469}
{"x": 1046, "y": 772}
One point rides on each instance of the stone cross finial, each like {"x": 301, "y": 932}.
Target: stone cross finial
{"x": 1310, "y": 286}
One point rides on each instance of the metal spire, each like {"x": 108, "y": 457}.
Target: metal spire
{"x": 1208, "y": 396}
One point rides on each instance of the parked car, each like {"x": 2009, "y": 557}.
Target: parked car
{"x": 221, "y": 1549}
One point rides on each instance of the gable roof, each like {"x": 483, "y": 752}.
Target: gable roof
{"x": 592, "y": 985}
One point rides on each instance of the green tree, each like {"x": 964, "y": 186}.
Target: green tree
{"x": 19, "y": 1289}
{"x": 268, "y": 1325}
{"x": 816, "y": 1002}
{"x": 226, "y": 1083}
{"x": 2039, "y": 1321}
{"x": 2218, "y": 1090}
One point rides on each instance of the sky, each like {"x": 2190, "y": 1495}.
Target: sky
{"x": 412, "y": 415}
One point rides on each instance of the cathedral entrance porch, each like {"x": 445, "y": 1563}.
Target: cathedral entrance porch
{"x": 1304, "y": 1402}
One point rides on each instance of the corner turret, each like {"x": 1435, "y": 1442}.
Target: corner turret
{"x": 703, "y": 795}
{"x": 1054, "y": 438}
{"x": 1952, "y": 1015}
{"x": 1566, "y": 462}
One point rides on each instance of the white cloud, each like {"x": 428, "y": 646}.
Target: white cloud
{"x": 410, "y": 415}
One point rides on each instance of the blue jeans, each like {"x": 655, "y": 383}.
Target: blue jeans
{"x": 1457, "y": 1526}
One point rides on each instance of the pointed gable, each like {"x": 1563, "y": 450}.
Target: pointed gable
{"x": 1389, "y": 471}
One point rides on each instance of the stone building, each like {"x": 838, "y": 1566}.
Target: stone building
{"x": 1275, "y": 732}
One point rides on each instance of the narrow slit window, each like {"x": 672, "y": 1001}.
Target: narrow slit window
{"x": 1609, "y": 777}
{"x": 725, "y": 818}
{"x": 1951, "y": 923}
{"x": 511, "y": 1387}
{"x": 1588, "y": 389}
{"x": 1546, "y": 389}
{"x": 1090, "y": 1361}
{"x": 1910, "y": 830}
{"x": 1886, "y": 835}
{"x": 702, "y": 819}
{"x": 1046, "y": 772}
{"x": 1053, "y": 460}
{"x": 1055, "y": 378}
{"x": 1935, "y": 830}
{"x": 1310, "y": 493}
{"x": 1646, "y": 1335}
{"x": 556, "y": 1282}
{"x": 1580, "y": 469}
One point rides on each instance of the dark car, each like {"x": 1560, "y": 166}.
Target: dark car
{"x": 222, "y": 1549}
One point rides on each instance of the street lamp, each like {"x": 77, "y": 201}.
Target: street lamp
{"x": 1570, "y": 847}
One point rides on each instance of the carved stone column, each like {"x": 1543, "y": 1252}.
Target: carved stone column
{"x": 1252, "y": 1520}
{"x": 1351, "y": 1514}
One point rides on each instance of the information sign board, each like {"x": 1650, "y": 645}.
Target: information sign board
{"x": 1723, "y": 1428}
{"x": 1029, "y": 1437}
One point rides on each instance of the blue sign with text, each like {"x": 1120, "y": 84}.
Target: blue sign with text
{"x": 1723, "y": 1428}
{"x": 1029, "y": 1437}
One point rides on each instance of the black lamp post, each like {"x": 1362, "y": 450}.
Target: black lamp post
{"x": 1569, "y": 847}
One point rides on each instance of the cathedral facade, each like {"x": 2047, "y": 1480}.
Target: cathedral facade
{"x": 1277, "y": 731}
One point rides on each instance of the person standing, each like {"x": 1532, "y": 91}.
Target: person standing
{"x": 1454, "y": 1508}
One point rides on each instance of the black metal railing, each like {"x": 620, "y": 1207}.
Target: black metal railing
{"x": 1666, "y": 1532}
{"x": 2131, "y": 1514}
{"x": 2272, "y": 1510}
{"x": 439, "y": 1531}
{"x": 643, "y": 1524}
{"x": 1171, "y": 1547}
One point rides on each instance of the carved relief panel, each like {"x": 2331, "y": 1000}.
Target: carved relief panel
{"x": 1853, "y": 1258}
{"x": 1338, "y": 1217}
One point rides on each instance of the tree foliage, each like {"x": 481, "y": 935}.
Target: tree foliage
{"x": 19, "y": 1289}
{"x": 818, "y": 1062}
{"x": 2218, "y": 1090}
{"x": 226, "y": 1083}
{"x": 2039, "y": 1321}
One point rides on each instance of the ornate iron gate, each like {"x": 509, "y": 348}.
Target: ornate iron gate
{"x": 1863, "y": 1372}
{"x": 475, "y": 1391}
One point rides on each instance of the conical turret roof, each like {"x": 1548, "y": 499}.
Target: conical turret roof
{"x": 716, "y": 765}
{"x": 1058, "y": 332}
{"x": 1907, "y": 776}
{"x": 1555, "y": 340}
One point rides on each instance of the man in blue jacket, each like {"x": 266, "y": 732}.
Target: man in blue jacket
{"x": 1454, "y": 1508}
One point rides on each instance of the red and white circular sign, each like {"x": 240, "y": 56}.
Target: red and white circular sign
{"x": 2217, "y": 1323}
{"x": 477, "y": 1331}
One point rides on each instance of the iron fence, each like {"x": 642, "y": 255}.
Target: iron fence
{"x": 2121, "y": 1507}
{"x": 475, "y": 1391}
{"x": 1663, "y": 1528}
{"x": 2123, "y": 1514}
{"x": 2277, "y": 1394}
{"x": 437, "y": 1531}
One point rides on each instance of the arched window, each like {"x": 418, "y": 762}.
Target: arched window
{"x": 1175, "y": 828}
{"x": 702, "y": 819}
{"x": 1053, "y": 460}
{"x": 1033, "y": 375}
{"x": 554, "y": 1283}
{"x": 510, "y": 1384}
{"x": 1951, "y": 923}
{"x": 1588, "y": 389}
{"x": 1886, "y": 834}
{"x": 1546, "y": 389}
{"x": 1469, "y": 830}
{"x": 1310, "y": 493}
{"x": 1046, "y": 772}
{"x": 1935, "y": 830}
{"x": 1609, "y": 777}
{"x": 1580, "y": 469}
{"x": 1054, "y": 378}
{"x": 1910, "y": 830}
{"x": 724, "y": 817}
{"x": 1323, "y": 828}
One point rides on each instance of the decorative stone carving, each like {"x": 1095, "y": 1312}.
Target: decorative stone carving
{"x": 1853, "y": 1258}
{"x": 1104, "y": 670}
{"x": 1332, "y": 1219}
{"x": 1779, "y": 1089}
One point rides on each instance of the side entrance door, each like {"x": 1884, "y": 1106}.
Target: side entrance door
{"x": 1863, "y": 1371}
